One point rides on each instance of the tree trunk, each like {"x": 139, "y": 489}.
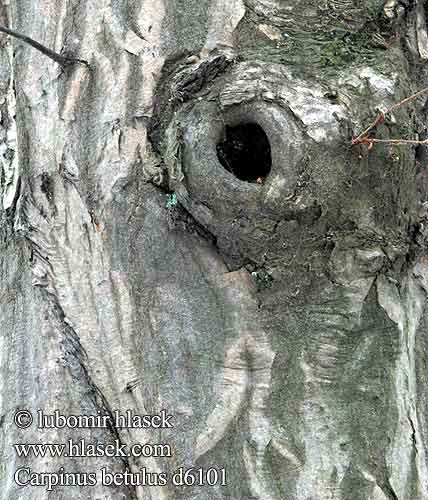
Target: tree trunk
{"x": 185, "y": 226}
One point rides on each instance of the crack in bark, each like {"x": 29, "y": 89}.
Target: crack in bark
{"x": 389, "y": 491}
{"x": 413, "y": 437}
{"x": 79, "y": 354}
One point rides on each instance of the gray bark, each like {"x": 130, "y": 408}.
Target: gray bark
{"x": 283, "y": 323}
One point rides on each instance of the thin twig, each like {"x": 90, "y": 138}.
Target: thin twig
{"x": 408, "y": 99}
{"x": 363, "y": 137}
{"x": 61, "y": 60}
{"x": 360, "y": 139}
{"x": 399, "y": 141}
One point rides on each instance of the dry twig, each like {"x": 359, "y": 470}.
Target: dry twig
{"x": 364, "y": 138}
{"x": 61, "y": 60}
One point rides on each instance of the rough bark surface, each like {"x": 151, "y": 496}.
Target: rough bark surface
{"x": 283, "y": 323}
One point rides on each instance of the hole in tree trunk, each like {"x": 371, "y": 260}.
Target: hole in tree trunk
{"x": 244, "y": 151}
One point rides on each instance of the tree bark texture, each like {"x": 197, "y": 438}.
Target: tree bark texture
{"x": 283, "y": 321}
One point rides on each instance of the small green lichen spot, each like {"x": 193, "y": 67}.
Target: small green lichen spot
{"x": 171, "y": 200}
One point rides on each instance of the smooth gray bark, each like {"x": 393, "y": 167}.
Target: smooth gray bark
{"x": 283, "y": 324}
